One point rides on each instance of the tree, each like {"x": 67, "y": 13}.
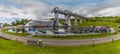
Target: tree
{"x": 117, "y": 20}
{"x": 13, "y": 23}
{"x": 17, "y": 22}
{"x": 20, "y": 22}
{"x": 6, "y": 24}
{"x": 24, "y": 21}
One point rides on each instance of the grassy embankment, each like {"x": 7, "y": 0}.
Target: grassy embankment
{"x": 13, "y": 47}
{"x": 14, "y": 33}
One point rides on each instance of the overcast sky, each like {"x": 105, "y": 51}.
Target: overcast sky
{"x": 38, "y": 9}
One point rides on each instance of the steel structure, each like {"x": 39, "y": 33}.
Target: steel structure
{"x": 68, "y": 14}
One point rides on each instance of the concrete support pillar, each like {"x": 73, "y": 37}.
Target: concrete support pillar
{"x": 81, "y": 20}
{"x": 56, "y": 22}
{"x": 76, "y": 22}
{"x": 67, "y": 23}
{"x": 56, "y": 18}
{"x": 67, "y": 20}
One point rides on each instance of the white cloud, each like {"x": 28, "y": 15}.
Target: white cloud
{"x": 30, "y": 9}
{"x": 107, "y": 8}
{"x": 38, "y": 9}
{"x": 33, "y": 9}
{"x": 112, "y": 11}
{"x": 14, "y": 12}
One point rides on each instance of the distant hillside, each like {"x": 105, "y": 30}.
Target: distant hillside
{"x": 99, "y": 21}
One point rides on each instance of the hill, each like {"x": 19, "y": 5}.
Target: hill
{"x": 99, "y": 21}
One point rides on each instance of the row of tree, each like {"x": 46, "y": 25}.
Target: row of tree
{"x": 17, "y": 22}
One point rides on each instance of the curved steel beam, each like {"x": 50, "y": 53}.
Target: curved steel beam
{"x": 66, "y": 12}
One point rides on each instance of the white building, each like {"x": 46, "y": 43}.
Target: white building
{"x": 40, "y": 25}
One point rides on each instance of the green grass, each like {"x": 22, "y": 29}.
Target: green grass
{"x": 13, "y": 47}
{"x": 111, "y": 24}
{"x": 11, "y": 33}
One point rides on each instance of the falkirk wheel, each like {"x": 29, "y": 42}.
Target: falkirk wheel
{"x": 67, "y": 14}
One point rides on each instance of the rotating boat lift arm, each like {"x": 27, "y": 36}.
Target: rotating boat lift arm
{"x": 67, "y": 15}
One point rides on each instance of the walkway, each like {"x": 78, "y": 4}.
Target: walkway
{"x": 52, "y": 42}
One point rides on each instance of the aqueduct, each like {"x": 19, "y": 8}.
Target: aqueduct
{"x": 68, "y": 14}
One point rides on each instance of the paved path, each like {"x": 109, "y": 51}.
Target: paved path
{"x": 64, "y": 42}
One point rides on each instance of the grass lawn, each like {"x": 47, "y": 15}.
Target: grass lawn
{"x": 111, "y": 24}
{"x": 13, "y": 47}
{"x": 11, "y": 33}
